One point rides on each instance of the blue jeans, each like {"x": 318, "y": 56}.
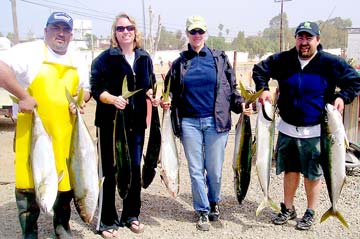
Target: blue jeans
{"x": 204, "y": 150}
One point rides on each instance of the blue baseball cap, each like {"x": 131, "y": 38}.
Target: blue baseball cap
{"x": 60, "y": 17}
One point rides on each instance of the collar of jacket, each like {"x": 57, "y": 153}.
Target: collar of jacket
{"x": 190, "y": 53}
{"x": 117, "y": 51}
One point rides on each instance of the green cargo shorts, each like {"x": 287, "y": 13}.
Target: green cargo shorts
{"x": 298, "y": 155}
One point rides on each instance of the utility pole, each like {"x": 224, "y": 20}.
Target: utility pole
{"x": 281, "y": 35}
{"x": 143, "y": 6}
{"x": 151, "y": 40}
{"x": 15, "y": 23}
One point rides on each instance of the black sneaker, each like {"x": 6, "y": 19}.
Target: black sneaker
{"x": 284, "y": 215}
{"x": 214, "y": 214}
{"x": 203, "y": 223}
{"x": 306, "y": 221}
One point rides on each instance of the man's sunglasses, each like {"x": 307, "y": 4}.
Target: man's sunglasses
{"x": 194, "y": 31}
{"x": 122, "y": 28}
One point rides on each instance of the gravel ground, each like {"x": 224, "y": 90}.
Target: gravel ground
{"x": 166, "y": 217}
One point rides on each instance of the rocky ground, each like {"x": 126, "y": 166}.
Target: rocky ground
{"x": 166, "y": 217}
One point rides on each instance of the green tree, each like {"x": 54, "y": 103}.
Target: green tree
{"x": 272, "y": 33}
{"x": 171, "y": 40}
{"x": 239, "y": 42}
{"x": 220, "y": 27}
{"x": 227, "y": 31}
{"x": 217, "y": 43}
{"x": 333, "y": 32}
{"x": 11, "y": 37}
{"x": 257, "y": 46}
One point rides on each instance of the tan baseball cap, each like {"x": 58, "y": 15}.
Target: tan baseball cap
{"x": 195, "y": 22}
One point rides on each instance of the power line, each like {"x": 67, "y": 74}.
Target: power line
{"x": 76, "y": 12}
{"x": 108, "y": 16}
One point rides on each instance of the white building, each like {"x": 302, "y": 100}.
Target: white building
{"x": 353, "y": 46}
{"x": 81, "y": 28}
{"x": 4, "y": 43}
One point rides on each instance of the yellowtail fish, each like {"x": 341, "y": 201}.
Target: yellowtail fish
{"x": 334, "y": 144}
{"x": 169, "y": 165}
{"x": 43, "y": 166}
{"x": 121, "y": 147}
{"x": 243, "y": 148}
{"x": 83, "y": 167}
{"x": 265, "y": 131}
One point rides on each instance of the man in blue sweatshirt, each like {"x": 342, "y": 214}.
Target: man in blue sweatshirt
{"x": 307, "y": 78}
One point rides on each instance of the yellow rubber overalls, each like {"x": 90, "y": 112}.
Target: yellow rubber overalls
{"x": 48, "y": 88}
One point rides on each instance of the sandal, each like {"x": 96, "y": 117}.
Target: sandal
{"x": 136, "y": 227}
{"x": 109, "y": 233}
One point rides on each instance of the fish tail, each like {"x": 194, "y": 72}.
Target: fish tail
{"x": 262, "y": 205}
{"x": 267, "y": 202}
{"x": 334, "y": 213}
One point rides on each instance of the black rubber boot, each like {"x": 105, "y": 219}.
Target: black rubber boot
{"x": 29, "y": 213}
{"x": 62, "y": 212}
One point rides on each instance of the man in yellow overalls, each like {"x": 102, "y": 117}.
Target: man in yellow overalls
{"x": 46, "y": 68}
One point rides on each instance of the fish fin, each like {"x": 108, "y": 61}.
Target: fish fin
{"x": 80, "y": 97}
{"x": 334, "y": 213}
{"x": 249, "y": 97}
{"x": 14, "y": 99}
{"x": 71, "y": 99}
{"x": 125, "y": 92}
{"x": 61, "y": 176}
{"x": 244, "y": 93}
{"x": 255, "y": 96}
{"x": 166, "y": 93}
{"x": 346, "y": 141}
{"x": 253, "y": 148}
{"x": 69, "y": 96}
{"x": 101, "y": 182}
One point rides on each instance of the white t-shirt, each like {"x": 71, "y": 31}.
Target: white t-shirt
{"x": 299, "y": 132}
{"x": 26, "y": 60}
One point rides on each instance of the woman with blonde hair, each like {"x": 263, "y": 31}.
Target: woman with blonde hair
{"x": 125, "y": 59}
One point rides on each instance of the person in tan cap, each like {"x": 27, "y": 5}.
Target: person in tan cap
{"x": 203, "y": 93}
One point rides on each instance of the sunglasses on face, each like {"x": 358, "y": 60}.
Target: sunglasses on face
{"x": 122, "y": 28}
{"x": 194, "y": 31}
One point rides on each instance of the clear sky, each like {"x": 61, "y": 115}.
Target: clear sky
{"x": 250, "y": 16}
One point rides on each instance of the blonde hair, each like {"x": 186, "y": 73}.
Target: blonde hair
{"x": 138, "y": 38}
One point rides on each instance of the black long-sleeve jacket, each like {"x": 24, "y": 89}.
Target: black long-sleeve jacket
{"x": 107, "y": 73}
